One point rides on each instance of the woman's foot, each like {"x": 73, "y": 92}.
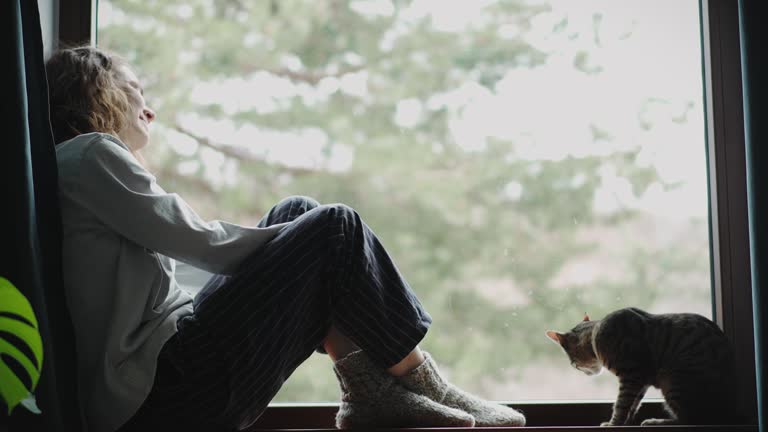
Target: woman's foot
{"x": 427, "y": 381}
{"x": 371, "y": 398}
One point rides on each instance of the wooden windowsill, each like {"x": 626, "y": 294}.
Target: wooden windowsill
{"x": 725, "y": 428}
{"x": 566, "y": 416}
{"x": 542, "y": 417}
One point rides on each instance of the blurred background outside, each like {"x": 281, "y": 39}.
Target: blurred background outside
{"x": 524, "y": 162}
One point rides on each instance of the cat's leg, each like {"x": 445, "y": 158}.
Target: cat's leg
{"x": 671, "y": 406}
{"x": 629, "y": 389}
{"x": 632, "y": 419}
{"x": 697, "y": 403}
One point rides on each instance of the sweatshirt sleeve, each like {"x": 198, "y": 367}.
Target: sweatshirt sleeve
{"x": 126, "y": 198}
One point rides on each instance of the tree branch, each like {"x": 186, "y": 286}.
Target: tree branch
{"x": 225, "y": 149}
{"x": 309, "y": 77}
{"x": 238, "y": 153}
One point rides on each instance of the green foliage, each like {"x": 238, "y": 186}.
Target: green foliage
{"x": 494, "y": 268}
{"x": 21, "y": 349}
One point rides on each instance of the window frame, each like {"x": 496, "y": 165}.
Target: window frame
{"x": 727, "y": 190}
{"x": 726, "y": 158}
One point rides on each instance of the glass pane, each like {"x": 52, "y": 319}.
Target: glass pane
{"x": 523, "y": 161}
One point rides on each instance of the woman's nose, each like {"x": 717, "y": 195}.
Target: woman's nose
{"x": 149, "y": 114}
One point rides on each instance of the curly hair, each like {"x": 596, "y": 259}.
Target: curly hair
{"x": 84, "y": 92}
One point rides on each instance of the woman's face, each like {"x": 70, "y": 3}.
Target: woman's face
{"x": 135, "y": 134}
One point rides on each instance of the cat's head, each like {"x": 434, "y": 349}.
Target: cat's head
{"x": 577, "y": 343}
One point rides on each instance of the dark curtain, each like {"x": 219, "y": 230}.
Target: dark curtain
{"x": 30, "y": 238}
{"x": 754, "y": 75}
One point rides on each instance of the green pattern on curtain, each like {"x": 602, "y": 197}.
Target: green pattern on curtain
{"x": 754, "y": 75}
{"x": 30, "y": 234}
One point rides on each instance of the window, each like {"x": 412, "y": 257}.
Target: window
{"x": 524, "y": 162}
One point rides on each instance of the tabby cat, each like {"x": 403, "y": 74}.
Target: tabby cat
{"x": 685, "y": 355}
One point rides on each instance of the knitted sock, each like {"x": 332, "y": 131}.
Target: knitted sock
{"x": 426, "y": 380}
{"x": 371, "y": 398}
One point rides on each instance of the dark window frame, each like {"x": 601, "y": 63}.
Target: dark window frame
{"x": 77, "y": 22}
{"x": 729, "y": 236}
{"x": 726, "y": 157}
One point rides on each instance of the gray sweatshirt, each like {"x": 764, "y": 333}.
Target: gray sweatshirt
{"x": 121, "y": 235}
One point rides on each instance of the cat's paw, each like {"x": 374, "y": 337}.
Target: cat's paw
{"x": 656, "y": 422}
{"x": 606, "y": 424}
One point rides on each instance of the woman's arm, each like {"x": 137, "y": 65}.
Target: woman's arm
{"x": 126, "y": 198}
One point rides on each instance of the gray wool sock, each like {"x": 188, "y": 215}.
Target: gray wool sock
{"x": 426, "y": 380}
{"x": 371, "y": 398}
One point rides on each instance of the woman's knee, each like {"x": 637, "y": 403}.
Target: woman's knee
{"x": 337, "y": 211}
{"x": 298, "y": 202}
{"x": 330, "y": 218}
{"x": 289, "y": 209}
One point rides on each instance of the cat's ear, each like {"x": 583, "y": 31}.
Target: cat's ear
{"x": 586, "y": 317}
{"x": 555, "y": 336}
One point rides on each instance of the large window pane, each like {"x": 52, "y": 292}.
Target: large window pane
{"x": 524, "y": 161}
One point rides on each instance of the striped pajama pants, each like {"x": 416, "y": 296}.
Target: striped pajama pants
{"x": 252, "y": 329}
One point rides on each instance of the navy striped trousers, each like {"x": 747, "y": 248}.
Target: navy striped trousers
{"x": 252, "y": 329}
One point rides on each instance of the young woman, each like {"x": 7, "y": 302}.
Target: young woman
{"x": 307, "y": 277}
